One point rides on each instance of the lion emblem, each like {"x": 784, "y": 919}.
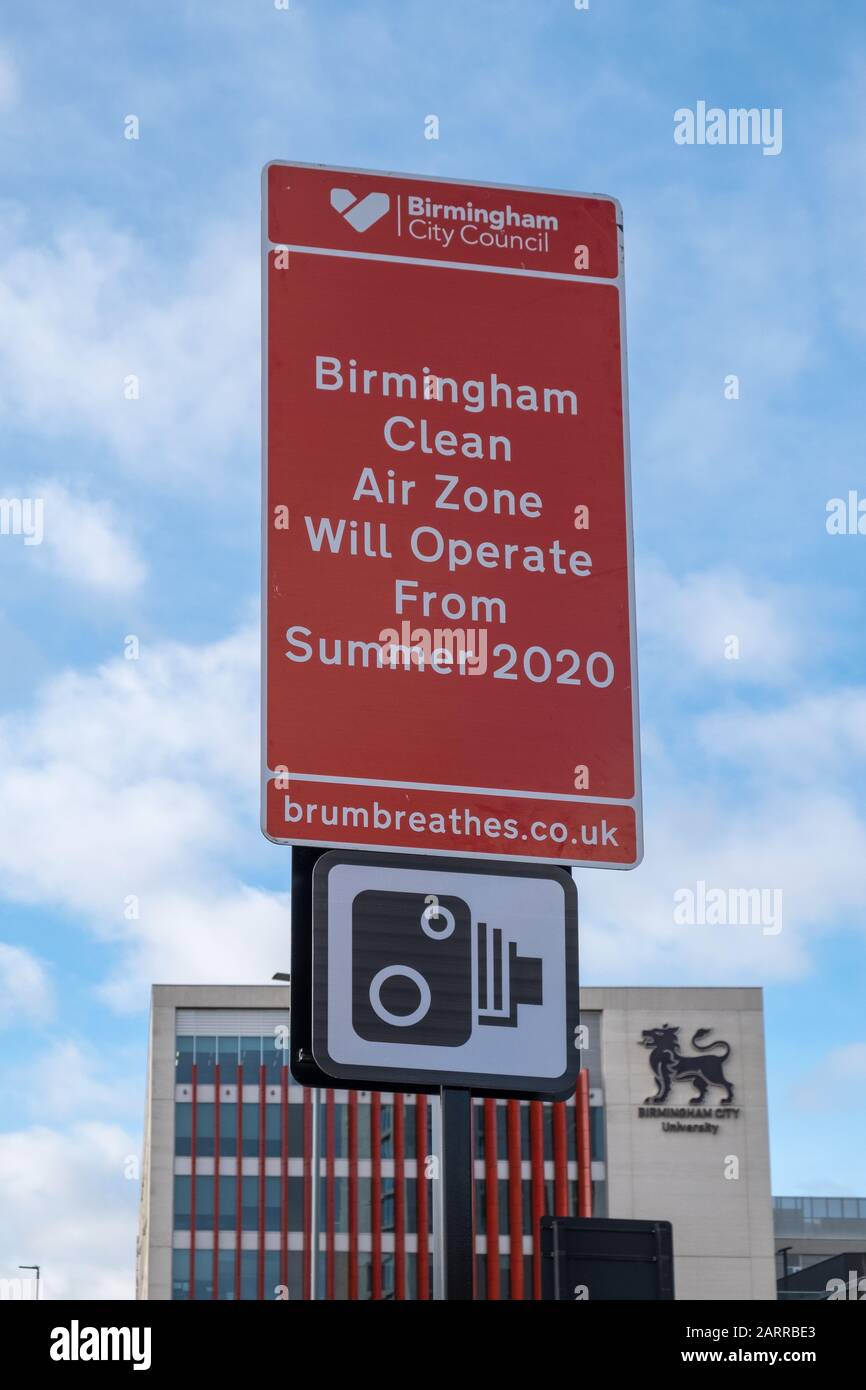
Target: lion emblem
{"x": 669, "y": 1065}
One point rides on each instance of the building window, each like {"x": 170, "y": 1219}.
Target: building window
{"x": 296, "y": 1131}
{"x": 180, "y": 1274}
{"x": 251, "y": 1129}
{"x": 228, "y": 1128}
{"x": 504, "y": 1214}
{"x": 182, "y": 1201}
{"x": 204, "y": 1189}
{"x": 203, "y": 1275}
{"x": 365, "y": 1209}
{"x": 365, "y": 1274}
{"x": 228, "y": 1201}
{"x": 226, "y": 1274}
{"x": 249, "y": 1274}
{"x": 341, "y": 1205}
{"x": 227, "y": 1056}
{"x": 341, "y": 1274}
{"x": 249, "y": 1203}
{"x": 273, "y": 1200}
{"x": 502, "y": 1130}
{"x": 480, "y": 1206}
{"x": 204, "y": 1129}
{"x": 251, "y": 1055}
{"x": 297, "y": 1267}
{"x": 411, "y": 1122}
{"x": 364, "y": 1127}
{"x": 273, "y": 1130}
{"x": 273, "y": 1286}
{"x": 549, "y": 1145}
{"x": 341, "y": 1131}
{"x": 275, "y": 1059}
{"x": 386, "y": 1128}
{"x": 183, "y": 1059}
{"x": 387, "y": 1204}
{"x": 183, "y": 1128}
{"x": 411, "y": 1206}
{"x": 296, "y": 1205}
{"x": 205, "y": 1057}
{"x": 596, "y": 1132}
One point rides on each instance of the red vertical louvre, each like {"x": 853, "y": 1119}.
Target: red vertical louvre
{"x": 560, "y": 1159}
{"x": 260, "y": 1279}
{"x": 399, "y": 1197}
{"x": 192, "y": 1181}
{"x": 329, "y": 1198}
{"x": 515, "y": 1201}
{"x": 309, "y": 1179}
{"x": 239, "y": 1181}
{"x": 284, "y": 1179}
{"x": 491, "y": 1200}
{"x": 376, "y": 1192}
{"x": 353, "y": 1195}
{"x": 421, "y": 1197}
{"x": 536, "y": 1146}
{"x": 216, "y": 1179}
{"x": 584, "y": 1146}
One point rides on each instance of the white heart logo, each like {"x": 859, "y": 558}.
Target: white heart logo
{"x": 360, "y": 214}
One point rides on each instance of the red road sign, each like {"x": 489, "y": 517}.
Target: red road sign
{"x": 449, "y": 653}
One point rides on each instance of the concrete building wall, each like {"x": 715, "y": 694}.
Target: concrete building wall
{"x": 722, "y": 1224}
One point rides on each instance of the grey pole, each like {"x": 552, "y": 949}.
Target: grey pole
{"x": 438, "y": 1202}
{"x": 314, "y": 1195}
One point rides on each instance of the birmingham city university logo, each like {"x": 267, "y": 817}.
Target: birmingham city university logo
{"x": 704, "y": 1069}
{"x": 360, "y": 213}
{"x": 668, "y": 1064}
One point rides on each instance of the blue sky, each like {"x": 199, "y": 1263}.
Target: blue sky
{"x": 121, "y": 778}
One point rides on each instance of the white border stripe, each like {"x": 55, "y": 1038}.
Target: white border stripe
{"x": 445, "y": 265}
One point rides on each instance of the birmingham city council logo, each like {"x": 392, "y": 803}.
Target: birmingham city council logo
{"x": 668, "y": 1064}
{"x": 360, "y": 213}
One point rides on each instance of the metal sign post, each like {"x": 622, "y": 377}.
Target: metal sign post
{"x": 315, "y": 1167}
{"x": 455, "y": 1185}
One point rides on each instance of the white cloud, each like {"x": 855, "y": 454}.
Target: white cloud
{"x": 810, "y": 849}
{"x": 69, "y": 1206}
{"x": 84, "y": 542}
{"x": 690, "y": 619}
{"x": 72, "y": 1079}
{"x": 128, "y": 796}
{"x": 25, "y": 992}
{"x": 87, "y": 311}
{"x": 818, "y": 740}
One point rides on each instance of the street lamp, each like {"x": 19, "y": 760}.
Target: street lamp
{"x": 36, "y": 1267}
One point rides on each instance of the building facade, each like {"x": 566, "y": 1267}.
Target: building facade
{"x": 227, "y": 1209}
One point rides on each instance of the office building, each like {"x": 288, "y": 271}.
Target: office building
{"x": 669, "y": 1121}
